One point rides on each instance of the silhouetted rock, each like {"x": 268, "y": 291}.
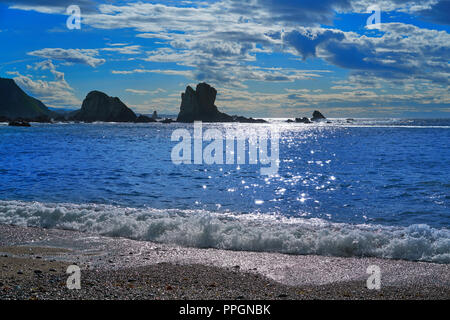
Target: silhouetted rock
{"x": 290, "y": 121}
{"x": 16, "y": 104}
{"x": 302, "y": 120}
{"x": 155, "y": 115}
{"x": 247, "y": 120}
{"x": 19, "y": 123}
{"x": 198, "y": 105}
{"x": 167, "y": 120}
{"x": 144, "y": 119}
{"x": 97, "y": 106}
{"x": 317, "y": 116}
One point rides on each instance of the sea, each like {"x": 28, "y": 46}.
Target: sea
{"x": 349, "y": 188}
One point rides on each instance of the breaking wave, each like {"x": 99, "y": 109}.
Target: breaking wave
{"x": 249, "y": 232}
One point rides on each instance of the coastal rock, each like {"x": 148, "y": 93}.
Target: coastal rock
{"x": 155, "y": 115}
{"x": 144, "y": 119}
{"x": 317, "y": 116}
{"x": 167, "y": 120}
{"x": 97, "y": 106}
{"x": 19, "y": 123}
{"x": 15, "y": 104}
{"x": 247, "y": 120}
{"x": 302, "y": 120}
{"x": 198, "y": 105}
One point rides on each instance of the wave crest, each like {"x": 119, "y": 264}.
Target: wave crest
{"x": 249, "y": 232}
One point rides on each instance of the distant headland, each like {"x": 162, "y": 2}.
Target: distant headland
{"x": 19, "y": 109}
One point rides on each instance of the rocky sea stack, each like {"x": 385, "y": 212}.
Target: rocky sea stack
{"x": 317, "y": 115}
{"x": 198, "y": 105}
{"x": 97, "y": 106}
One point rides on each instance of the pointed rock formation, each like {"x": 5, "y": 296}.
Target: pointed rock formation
{"x": 317, "y": 116}
{"x": 198, "y": 105}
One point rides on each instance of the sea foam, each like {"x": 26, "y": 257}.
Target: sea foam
{"x": 248, "y": 232}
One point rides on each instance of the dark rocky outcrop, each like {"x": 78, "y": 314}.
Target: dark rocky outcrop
{"x": 167, "y": 120}
{"x": 302, "y": 120}
{"x": 144, "y": 119}
{"x": 155, "y": 115}
{"x": 15, "y": 104}
{"x": 317, "y": 116}
{"x": 247, "y": 120}
{"x": 19, "y": 123}
{"x": 198, "y": 105}
{"x": 97, "y": 106}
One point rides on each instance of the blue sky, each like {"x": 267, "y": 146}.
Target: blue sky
{"x": 267, "y": 58}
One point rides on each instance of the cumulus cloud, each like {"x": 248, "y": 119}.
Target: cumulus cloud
{"x": 228, "y": 35}
{"x": 221, "y": 42}
{"x": 81, "y": 56}
{"x": 402, "y": 52}
{"x": 305, "y": 41}
{"x": 57, "y": 93}
{"x": 304, "y": 12}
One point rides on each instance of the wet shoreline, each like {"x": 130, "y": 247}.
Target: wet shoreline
{"x": 33, "y": 262}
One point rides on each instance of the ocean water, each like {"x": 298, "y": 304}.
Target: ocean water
{"x": 373, "y": 187}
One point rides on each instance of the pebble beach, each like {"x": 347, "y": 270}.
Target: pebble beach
{"x": 33, "y": 264}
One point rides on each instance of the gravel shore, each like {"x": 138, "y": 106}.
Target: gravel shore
{"x": 33, "y": 265}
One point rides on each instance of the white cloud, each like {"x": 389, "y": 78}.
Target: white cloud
{"x": 57, "y": 93}
{"x": 145, "y": 92}
{"x": 221, "y": 43}
{"x": 81, "y": 56}
{"x": 141, "y": 92}
{"x": 186, "y": 73}
{"x": 134, "y": 49}
{"x": 50, "y": 6}
{"x": 161, "y": 36}
{"x": 403, "y": 51}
